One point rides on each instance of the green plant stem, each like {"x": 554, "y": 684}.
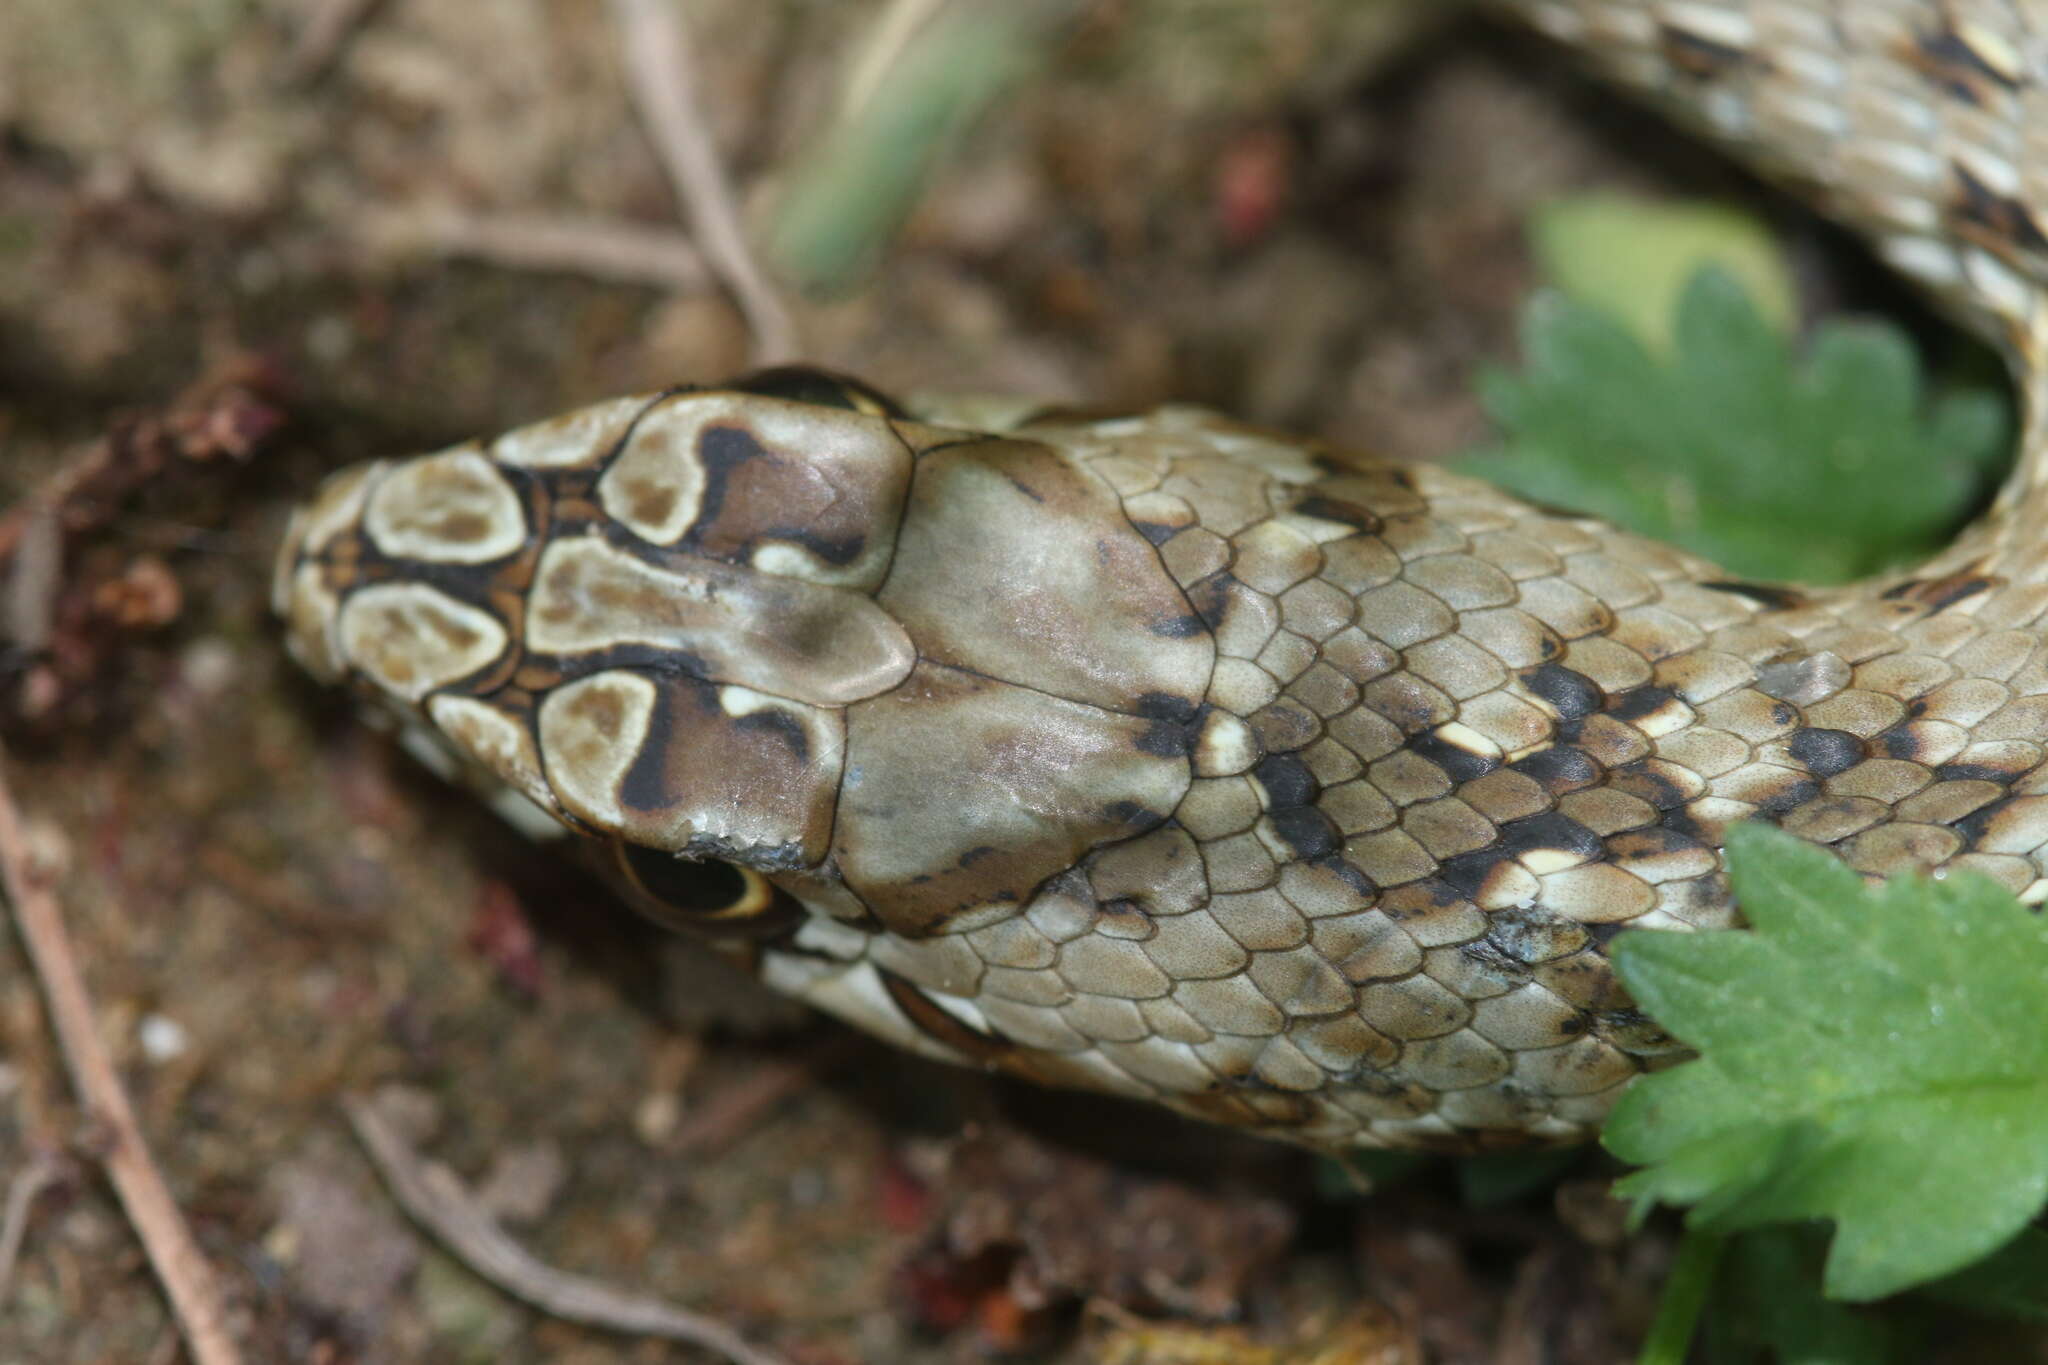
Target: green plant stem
{"x": 1685, "y": 1293}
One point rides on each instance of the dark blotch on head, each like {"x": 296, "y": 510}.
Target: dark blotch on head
{"x": 781, "y": 725}
{"x": 1130, "y": 813}
{"x": 1574, "y": 696}
{"x": 721, "y": 450}
{"x": 1211, "y": 597}
{"x": 1826, "y": 752}
{"x": 646, "y": 784}
{"x": 1155, "y": 532}
{"x": 1166, "y": 739}
{"x": 1176, "y": 722}
{"x": 1178, "y": 627}
{"x": 1167, "y": 706}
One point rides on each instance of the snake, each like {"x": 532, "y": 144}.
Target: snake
{"x": 1167, "y": 756}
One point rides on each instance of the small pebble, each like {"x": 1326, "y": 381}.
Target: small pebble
{"x": 162, "y": 1038}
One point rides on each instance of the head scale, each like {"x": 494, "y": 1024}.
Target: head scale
{"x": 909, "y": 672}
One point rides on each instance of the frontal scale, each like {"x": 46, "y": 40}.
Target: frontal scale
{"x": 1154, "y": 755}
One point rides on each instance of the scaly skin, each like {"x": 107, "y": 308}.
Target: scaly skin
{"x": 1168, "y": 757}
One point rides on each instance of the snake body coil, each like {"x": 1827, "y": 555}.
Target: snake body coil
{"x": 1168, "y": 757}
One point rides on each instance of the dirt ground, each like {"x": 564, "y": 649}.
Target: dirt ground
{"x": 1295, "y": 211}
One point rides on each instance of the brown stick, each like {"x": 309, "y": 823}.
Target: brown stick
{"x": 728, "y": 1114}
{"x": 43, "y": 1170}
{"x": 181, "y": 1269}
{"x": 597, "y": 247}
{"x": 656, "y": 52}
{"x": 431, "y": 1196}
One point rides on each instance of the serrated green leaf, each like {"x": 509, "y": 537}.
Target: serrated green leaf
{"x": 1873, "y": 1056}
{"x": 1818, "y": 471}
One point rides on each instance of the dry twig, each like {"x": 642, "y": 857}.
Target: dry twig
{"x": 730, "y": 1113}
{"x": 184, "y": 1273}
{"x": 43, "y": 1170}
{"x": 657, "y": 59}
{"x": 597, "y": 247}
{"x": 433, "y": 1197}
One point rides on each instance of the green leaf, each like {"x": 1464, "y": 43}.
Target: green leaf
{"x": 2010, "y": 1283}
{"x": 1824, "y": 470}
{"x": 1769, "y": 1298}
{"x": 850, "y": 192}
{"x": 1630, "y": 258}
{"x": 1874, "y": 1056}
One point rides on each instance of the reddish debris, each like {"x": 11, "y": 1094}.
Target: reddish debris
{"x": 68, "y": 609}
{"x": 501, "y": 934}
{"x": 1252, "y": 177}
{"x": 1024, "y": 1232}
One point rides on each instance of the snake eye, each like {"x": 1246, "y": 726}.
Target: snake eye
{"x": 710, "y": 898}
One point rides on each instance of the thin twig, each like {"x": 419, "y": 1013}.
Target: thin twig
{"x": 598, "y": 247}
{"x": 184, "y": 1273}
{"x": 433, "y": 1197}
{"x": 29, "y": 611}
{"x": 656, "y": 52}
{"x": 729, "y": 1114}
{"x": 43, "y": 1170}
{"x": 273, "y": 895}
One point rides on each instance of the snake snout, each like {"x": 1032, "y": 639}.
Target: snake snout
{"x": 648, "y": 616}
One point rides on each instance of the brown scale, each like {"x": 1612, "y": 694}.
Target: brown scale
{"x": 1166, "y": 756}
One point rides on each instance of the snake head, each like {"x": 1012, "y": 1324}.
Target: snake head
{"x": 910, "y": 671}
